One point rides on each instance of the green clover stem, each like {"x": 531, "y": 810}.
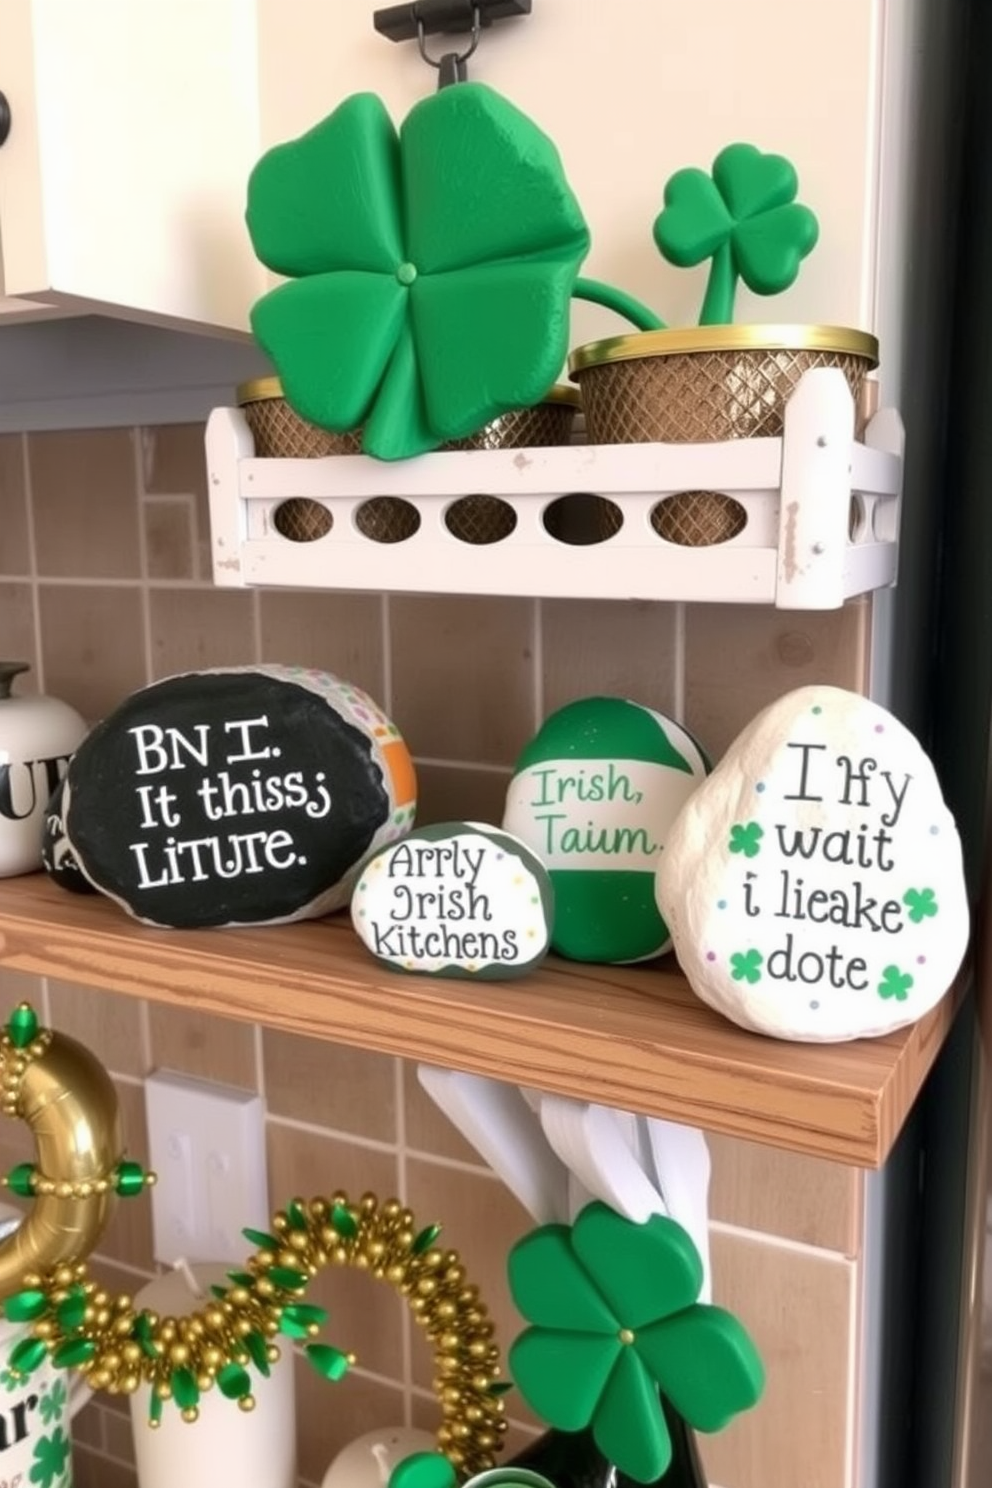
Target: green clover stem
{"x": 721, "y": 288}
{"x": 618, "y": 300}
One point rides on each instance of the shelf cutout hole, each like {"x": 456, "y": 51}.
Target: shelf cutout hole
{"x": 480, "y": 520}
{"x": 885, "y": 521}
{"x": 387, "y": 519}
{"x": 698, "y": 519}
{"x": 300, "y": 520}
{"x": 582, "y": 519}
{"x": 857, "y": 519}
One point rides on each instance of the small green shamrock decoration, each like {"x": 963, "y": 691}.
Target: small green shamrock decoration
{"x": 920, "y": 903}
{"x": 746, "y": 966}
{"x": 746, "y": 839}
{"x": 51, "y": 1453}
{"x": 615, "y": 1319}
{"x": 53, "y": 1402}
{"x": 745, "y": 218}
{"x": 895, "y": 983}
{"x": 430, "y": 270}
{"x": 424, "y": 1470}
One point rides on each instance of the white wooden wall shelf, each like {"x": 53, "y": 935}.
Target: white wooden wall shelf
{"x": 822, "y": 514}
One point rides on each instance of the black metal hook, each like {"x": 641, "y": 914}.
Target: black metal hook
{"x": 451, "y": 67}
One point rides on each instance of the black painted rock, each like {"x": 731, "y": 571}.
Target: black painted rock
{"x": 457, "y": 899}
{"x": 243, "y": 796}
{"x": 56, "y": 854}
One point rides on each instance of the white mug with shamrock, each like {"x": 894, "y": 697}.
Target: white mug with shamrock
{"x": 35, "y": 1415}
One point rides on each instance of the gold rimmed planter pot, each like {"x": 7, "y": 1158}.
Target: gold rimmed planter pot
{"x": 708, "y": 383}
{"x": 279, "y": 432}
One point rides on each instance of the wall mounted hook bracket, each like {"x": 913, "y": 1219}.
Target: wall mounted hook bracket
{"x": 424, "y": 18}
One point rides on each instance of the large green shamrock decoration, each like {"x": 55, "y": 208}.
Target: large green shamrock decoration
{"x": 745, "y": 217}
{"x": 614, "y": 1320}
{"x": 430, "y": 271}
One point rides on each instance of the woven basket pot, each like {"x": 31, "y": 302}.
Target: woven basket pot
{"x": 703, "y": 384}
{"x": 279, "y": 432}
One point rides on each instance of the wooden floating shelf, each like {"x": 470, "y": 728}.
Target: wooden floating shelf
{"x": 633, "y": 1037}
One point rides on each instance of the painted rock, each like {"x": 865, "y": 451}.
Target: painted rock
{"x": 814, "y": 885}
{"x": 594, "y": 795}
{"x": 56, "y": 854}
{"x": 243, "y": 796}
{"x": 457, "y": 899}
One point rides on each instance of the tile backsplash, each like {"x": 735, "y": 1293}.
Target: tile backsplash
{"x": 105, "y": 586}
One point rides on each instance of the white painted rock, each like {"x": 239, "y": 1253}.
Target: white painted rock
{"x": 456, "y": 899}
{"x": 814, "y": 884}
{"x": 594, "y": 794}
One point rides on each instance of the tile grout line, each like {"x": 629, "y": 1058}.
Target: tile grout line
{"x": 780, "y": 1242}
{"x": 385, "y": 622}
{"x": 313, "y": 1129}
{"x": 39, "y": 660}
{"x": 678, "y": 659}
{"x": 448, "y": 764}
{"x": 538, "y": 664}
{"x": 138, "y": 455}
{"x": 851, "y": 1426}
{"x": 406, "y": 1327}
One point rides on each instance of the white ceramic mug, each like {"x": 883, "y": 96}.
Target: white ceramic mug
{"x": 35, "y": 1416}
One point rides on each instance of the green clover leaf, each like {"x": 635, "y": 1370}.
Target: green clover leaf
{"x": 745, "y": 218}
{"x": 53, "y": 1402}
{"x": 10, "y": 1381}
{"x": 921, "y": 903}
{"x": 895, "y": 983}
{"x": 746, "y": 966}
{"x": 423, "y": 1470}
{"x": 746, "y": 838}
{"x": 50, "y": 1456}
{"x": 614, "y": 1319}
{"x": 429, "y": 272}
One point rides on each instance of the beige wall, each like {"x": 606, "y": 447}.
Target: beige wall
{"x": 104, "y": 586}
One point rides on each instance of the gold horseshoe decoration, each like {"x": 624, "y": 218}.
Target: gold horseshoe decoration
{"x": 69, "y": 1103}
{"x": 67, "y": 1099}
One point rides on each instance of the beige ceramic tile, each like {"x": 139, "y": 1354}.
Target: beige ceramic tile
{"x": 87, "y": 1425}
{"x": 108, "y": 1023}
{"x": 797, "y": 1308}
{"x": 614, "y": 649}
{"x": 366, "y": 1315}
{"x": 463, "y": 676}
{"x": 15, "y": 547}
{"x": 481, "y": 1220}
{"x": 783, "y": 1193}
{"x": 85, "y": 504}
{"x": 92, "y": 1470}
{"x": 169, "y": 539}
{"x": 192, "y": 629}
{"x": 427, "y": 1128}
{"x": 128, "y": 1237}
{"x": 173, "y": 464}
{"x": 330, "y": 1416}
{"x": 92, "y": 645}
{"x": 20, "y": 986}
{"x": 447, "y": 794}
{"x": 351, "y": 1090}
{"x": 17, "y": 637}
{"x": 338, "y": 633}
{"x": 118, "y": 1436}
{"x": 740, "y": 658}
{"x": 196, "y": 1043}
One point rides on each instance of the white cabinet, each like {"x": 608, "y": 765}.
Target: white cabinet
{"x": 134, "y": 126}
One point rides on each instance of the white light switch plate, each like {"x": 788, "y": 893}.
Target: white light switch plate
{"x": 207, "y": 1147}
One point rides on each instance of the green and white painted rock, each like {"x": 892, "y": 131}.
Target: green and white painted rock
{"x": 814, "y": 883}
{"x": 456, "y": 899}
{"x": 594, "y": 794}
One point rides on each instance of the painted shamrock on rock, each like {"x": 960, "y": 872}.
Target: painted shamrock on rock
{"x": 614, "y": 1321}
{"x": 745, "y": 218}
{"x": 814, "y": 884}
{"x": 430, "y": 269}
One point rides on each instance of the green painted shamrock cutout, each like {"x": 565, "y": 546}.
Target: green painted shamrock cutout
{"x": 53, "y": 1402}
{"x": 745, "y": 218}
{"x": 746, "y": 966}
{"x": 51, "y": 1453}
{"x": 921, "y": 903}
{"x": 615, "y": 1320}
{"x": 423, "y": 1470}
{"x": 895, "y": 983}
{"x": 430, "y": 271}
{"x": 746, "y": 838}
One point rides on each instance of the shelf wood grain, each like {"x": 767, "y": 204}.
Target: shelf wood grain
{"x": 629, "y": 1036}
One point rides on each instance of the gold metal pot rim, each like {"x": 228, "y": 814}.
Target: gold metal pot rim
{"x": 261, "y": 389}
{"x": 841, "y": 339}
